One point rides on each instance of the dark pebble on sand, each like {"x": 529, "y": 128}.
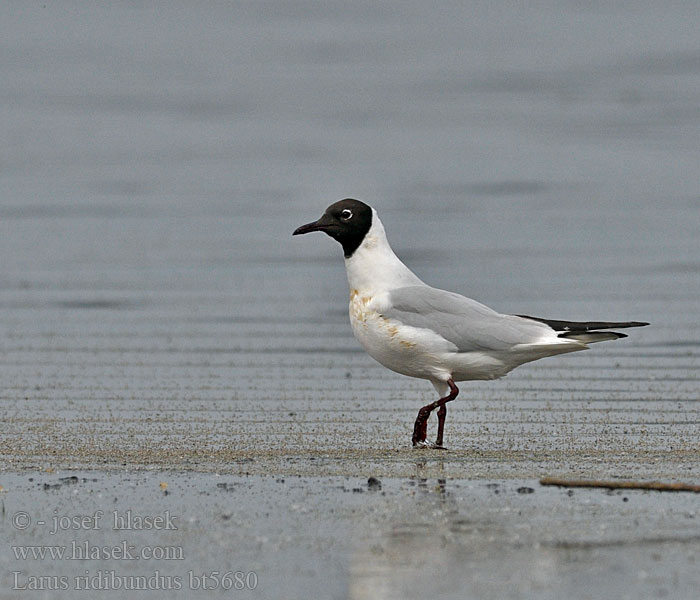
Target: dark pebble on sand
{"x": 374, "y": 484}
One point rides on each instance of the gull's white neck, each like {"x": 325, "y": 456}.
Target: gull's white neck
{"x": 374, "y": 267}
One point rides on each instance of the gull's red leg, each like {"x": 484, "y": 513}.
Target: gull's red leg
{"x": 442, "y": 413}
{"x": 420, "y": 429}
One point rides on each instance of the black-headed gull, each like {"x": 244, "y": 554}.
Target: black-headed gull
{"x": 414, "y": 329}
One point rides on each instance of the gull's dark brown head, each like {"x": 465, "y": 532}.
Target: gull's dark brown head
{"x": 347, "y": 222}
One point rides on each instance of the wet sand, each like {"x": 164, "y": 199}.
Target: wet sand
{"x": 629, "y": 409}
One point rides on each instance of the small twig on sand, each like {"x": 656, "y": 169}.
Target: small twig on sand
{"x": 626, "y": 485}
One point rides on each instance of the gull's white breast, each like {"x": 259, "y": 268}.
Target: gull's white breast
{"x": 406, "y": 350}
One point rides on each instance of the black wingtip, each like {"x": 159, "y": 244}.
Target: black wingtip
{"x": 581, "y": 326}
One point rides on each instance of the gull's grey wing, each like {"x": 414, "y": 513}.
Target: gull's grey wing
{"x": 469, "y": 325}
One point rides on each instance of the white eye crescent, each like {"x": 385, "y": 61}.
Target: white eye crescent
{"x": 346, "y": 214}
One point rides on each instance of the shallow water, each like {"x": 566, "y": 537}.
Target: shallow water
{"x": 155, "y": 311}
{"x": 188, "y": 534}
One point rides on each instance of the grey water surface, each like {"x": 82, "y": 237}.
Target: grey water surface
{"x": 159, "y": 324}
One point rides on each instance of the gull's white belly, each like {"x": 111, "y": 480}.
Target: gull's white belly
{"x": 387, "y": 342}
{"x": 419, "y": 352}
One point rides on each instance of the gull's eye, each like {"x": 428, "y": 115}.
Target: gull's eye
{"x": 346, "y": 215}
